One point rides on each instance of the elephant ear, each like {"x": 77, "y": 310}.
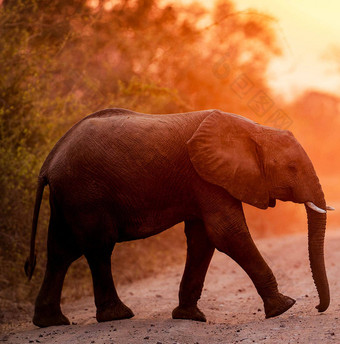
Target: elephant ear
{"x": 224, "y": 151}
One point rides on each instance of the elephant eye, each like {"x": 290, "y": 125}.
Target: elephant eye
{"x": 292, "y": 168}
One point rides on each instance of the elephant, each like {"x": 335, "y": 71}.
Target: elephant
{"x": 119, "y": 175}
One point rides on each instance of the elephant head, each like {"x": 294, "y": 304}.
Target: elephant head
{"x": 257, "y": 165}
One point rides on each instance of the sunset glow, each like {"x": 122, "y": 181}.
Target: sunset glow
{"x": 308, "y": 32}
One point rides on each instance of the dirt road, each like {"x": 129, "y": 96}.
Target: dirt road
{"x": 230, "y": 302}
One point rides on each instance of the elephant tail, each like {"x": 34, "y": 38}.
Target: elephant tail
{"x": 31, "y": 260}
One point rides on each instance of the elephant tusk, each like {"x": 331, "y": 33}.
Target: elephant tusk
{"x": 328, "y": 207}
{"x": 315, "y": 208}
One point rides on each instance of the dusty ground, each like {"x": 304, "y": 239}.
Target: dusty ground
{"x": 234, "y": 310}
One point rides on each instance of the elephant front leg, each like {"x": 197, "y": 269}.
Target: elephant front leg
{"x": 234, "y": 239}
{"x": 109, "y": 306}
{"x": 199, "y": 254}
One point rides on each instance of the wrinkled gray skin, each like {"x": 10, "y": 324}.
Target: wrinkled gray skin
{"x": 118, "y": 175}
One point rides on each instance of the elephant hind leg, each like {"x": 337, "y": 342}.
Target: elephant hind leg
{"x": 109, "y": 306}
{"x": 61, "y": 252}
{"x": 199, "y": 253}
{"x": 47, "y": 307}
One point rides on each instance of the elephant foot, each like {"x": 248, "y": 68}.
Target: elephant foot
{"x": 113, "y": 311}
{"x": 277, "y": 305}
{"x": 189, "y": 313}
{"x": 47, "y": 318}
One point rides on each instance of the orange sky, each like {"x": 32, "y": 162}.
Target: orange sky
{"x": 307, "y": 31}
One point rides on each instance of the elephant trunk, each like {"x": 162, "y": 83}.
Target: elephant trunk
{"x": 316, "y": 236}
